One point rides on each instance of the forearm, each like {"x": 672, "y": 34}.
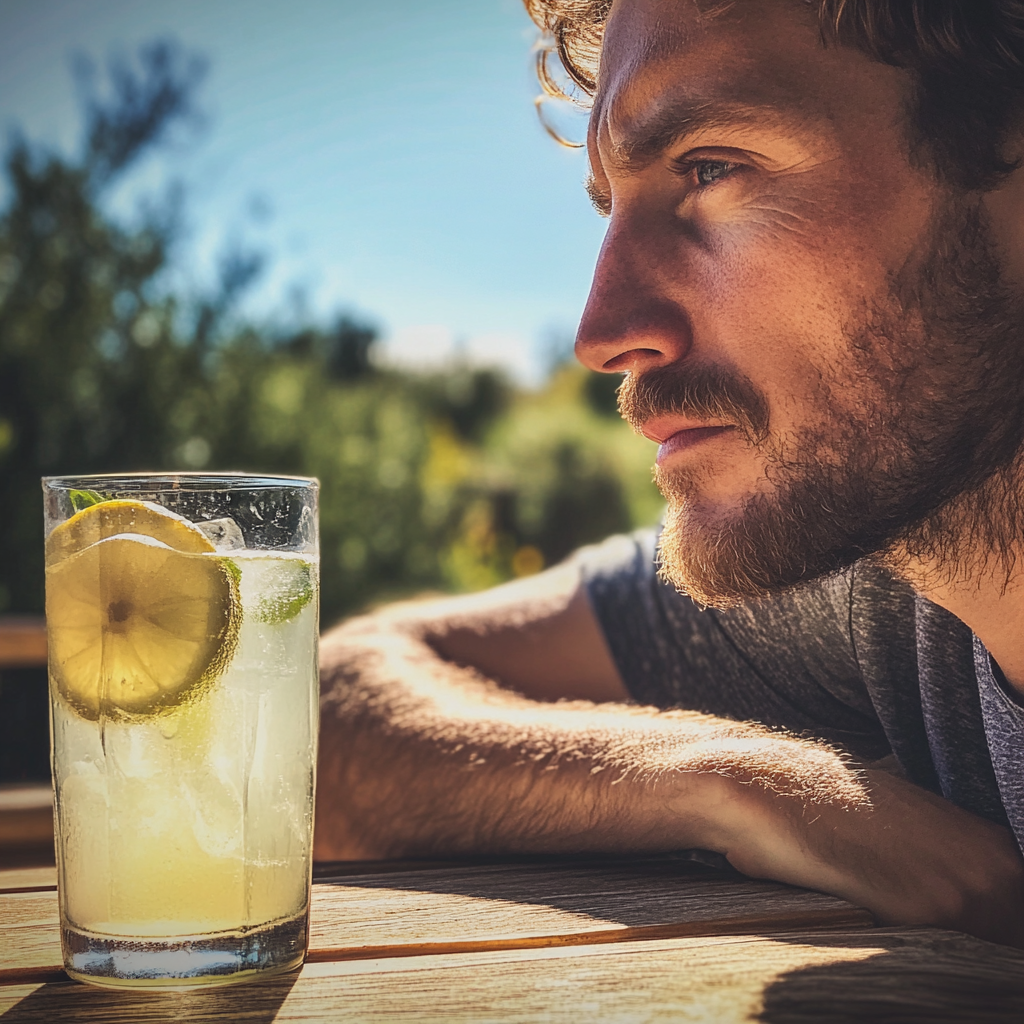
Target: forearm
{"x": 909, "y": 856}
{"x": 421, "y": 757}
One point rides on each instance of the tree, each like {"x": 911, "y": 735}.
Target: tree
{"x": 96, "y": 373}
{"x": 445, "y": 480}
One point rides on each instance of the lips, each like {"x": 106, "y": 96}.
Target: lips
{"x": 677, "y": 433}
{"x": 661, "y": 428}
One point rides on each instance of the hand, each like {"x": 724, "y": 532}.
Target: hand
{"x": 908, "y": 856}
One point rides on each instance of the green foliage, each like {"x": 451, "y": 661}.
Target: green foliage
{"x": 453, "y": 480}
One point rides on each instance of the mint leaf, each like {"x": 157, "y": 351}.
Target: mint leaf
{"x": 83, "y": 499}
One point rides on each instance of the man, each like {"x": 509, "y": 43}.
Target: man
{"x": 813, "y": 281}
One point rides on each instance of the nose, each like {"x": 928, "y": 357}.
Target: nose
{"x": 627, "y": 326}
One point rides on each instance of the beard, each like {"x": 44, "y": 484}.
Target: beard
{"x": 916, "y": 463}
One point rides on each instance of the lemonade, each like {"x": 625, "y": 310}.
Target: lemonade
{"x": 183, "y": 679}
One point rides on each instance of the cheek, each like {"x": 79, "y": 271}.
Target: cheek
{"x": 775, "y": 306}
{"x": 808, "y": 247}
{"x": 782, "y": 279}
{"x": 772, "y": 297}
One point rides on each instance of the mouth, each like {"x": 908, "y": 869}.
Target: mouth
{"x": 676, "y": 434}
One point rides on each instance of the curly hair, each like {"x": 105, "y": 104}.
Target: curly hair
{"x": 967, "y": 58}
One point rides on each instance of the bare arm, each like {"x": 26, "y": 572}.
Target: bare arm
{"x": 445, "y": 729}
{"x": 537, "y": 636}
{"x": 427, "y": 748}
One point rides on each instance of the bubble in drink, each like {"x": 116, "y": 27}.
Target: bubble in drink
{"x": 184, "y": 715}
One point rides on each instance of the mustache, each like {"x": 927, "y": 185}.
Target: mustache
{"x": 699, "y": 391}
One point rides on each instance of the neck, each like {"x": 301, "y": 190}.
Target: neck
{"x": 995, "y": 614}
{"x": 970, "y": 561}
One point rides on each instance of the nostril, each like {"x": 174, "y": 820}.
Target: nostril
{"x": 624, "y": 361}
{"x": 616, "y": 336}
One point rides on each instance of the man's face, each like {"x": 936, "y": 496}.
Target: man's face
{"x": 813, "y": 328}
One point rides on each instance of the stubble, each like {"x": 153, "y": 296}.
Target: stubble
{"x": 915, "y": 461}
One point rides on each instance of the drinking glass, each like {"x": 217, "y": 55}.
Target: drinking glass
{"x": 182, "y": 615}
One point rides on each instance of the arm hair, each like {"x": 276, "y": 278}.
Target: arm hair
{"x": 424, "y": 757}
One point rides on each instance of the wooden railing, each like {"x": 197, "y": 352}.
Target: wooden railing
{"x": 26, "y": 810}
{"x": 22, "y": 642}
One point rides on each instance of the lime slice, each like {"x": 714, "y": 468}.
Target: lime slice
{"x": 119, "y": 516}
{"x": 135, "y": 625}
{"x": 285, "y": 588}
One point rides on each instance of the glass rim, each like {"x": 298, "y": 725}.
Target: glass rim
{"x": 175, "y": 480}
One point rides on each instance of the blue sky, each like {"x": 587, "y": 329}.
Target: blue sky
{"x": 385, "y": 154}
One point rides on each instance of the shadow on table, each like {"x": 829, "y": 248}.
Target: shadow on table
{"x": 256, "y": 1003}
{"x": 904, "y": 977}
{"x": 633, "y": 892}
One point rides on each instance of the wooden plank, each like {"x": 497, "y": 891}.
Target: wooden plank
{"x": 26, "y": 816}
{"x": 41, "y": 877}
{"x": 521, "y": 906}
{"x": 22, "y": 642}
{"x": 885, "y": 975}
{"x": 335, "y": 869}
{"x": 35, "y": 878}
{"x": 411, "y": 913}
{"x": 30, "y": 879}
{"x": 29, "y": 937}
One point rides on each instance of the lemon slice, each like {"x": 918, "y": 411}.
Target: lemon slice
{"x": 109, "y": 518}
{"x": 135, "y": 626}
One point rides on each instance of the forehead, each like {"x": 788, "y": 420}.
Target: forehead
{"x": 666, "y": 62}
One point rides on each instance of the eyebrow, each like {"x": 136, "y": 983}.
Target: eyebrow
{"x": 669, "y": 125}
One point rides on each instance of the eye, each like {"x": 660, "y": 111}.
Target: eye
{"x": 707, "y": 172}
{"x": 703, "y": 174}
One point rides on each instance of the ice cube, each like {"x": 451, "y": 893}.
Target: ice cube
{"x": 283, "y": 587}
{"x": 224, "y": 533}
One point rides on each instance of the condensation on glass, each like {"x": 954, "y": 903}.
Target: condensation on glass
{"x": 182, "y": 614}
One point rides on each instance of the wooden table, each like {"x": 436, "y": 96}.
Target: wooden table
{"x": 623, "y": 942}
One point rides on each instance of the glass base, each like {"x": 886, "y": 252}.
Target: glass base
{"x": 184, "y": 961}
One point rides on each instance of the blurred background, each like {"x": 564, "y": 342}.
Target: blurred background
{"x": 324, "y": 238}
